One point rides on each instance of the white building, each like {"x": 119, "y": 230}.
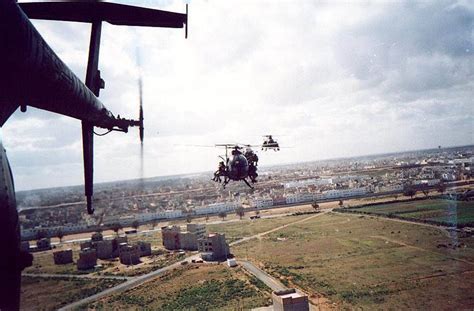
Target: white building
{"x": 344, "y": 193}
{"x": 215, "y": 208}
{"x": 390, "y": 188}
{"x": 169, "y": 214}
{"x": 261, "y": 203}
{"x": 308, "y": 182}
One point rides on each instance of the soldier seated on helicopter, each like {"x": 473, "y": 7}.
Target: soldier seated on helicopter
{"x": 221, "y": 171}
{"x": 253, "y": 172}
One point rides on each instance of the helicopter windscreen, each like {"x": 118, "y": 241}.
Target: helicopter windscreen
{"x": 238, "y": 167}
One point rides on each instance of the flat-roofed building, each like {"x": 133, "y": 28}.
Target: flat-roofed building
{"x": 188, "y": 241}
{"x": 63, "y": 257}
{"x": 105, "y": 249}
{"x": 170, "y": 236}
{"x": 215, "y": 244}
{"x": 129, "y": 254}
{"x": 290, "y": 300}
{"x": 87, "y": 259}
{"x": 198, "y": 229}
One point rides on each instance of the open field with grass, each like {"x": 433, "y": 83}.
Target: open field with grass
{"x": 192, "y": 287}
{"x": 51, "y": 294}
{"x": 439, "y": 211}
{"x": 363, "y": 261}
{"x": 245, "y": 227}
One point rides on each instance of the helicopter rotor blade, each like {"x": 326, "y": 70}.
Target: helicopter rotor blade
{"x": 141, "y": 131}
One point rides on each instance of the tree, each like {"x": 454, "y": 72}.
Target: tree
{"x": 189, "y": 218}
{"x": 341, "y": 203}
{"x": 257, "y": 212}
{"x": 40, "y": 234}
{"x": 154, "y": 223}
{"x": 207, "y": 218}
{"x": 60, "y": 235}
{"x": 240, "y": 212}
{"x": 409, "y": 191}
{"x": 116, "y": 228}
{"x": 315, "y": 205}
{"x": 222, "y": 215}
{"x": 441, "y": 188}
{"x": 135, "y": 225}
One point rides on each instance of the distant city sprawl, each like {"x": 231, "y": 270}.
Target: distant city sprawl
{"x": 158, "y": 199}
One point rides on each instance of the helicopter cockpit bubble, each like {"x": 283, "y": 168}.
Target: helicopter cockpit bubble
{"x": 238, "y": 167}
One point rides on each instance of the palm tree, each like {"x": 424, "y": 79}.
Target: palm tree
{"x": 135, "y": 225}
{"x": 409, "y": 191}
{"x": 116, "y": 227}
{"x": 222, "y": 215}
{"x": 60, "y": 235}
{"x": 240, "y": 212}
{"x": 189, "y": 218}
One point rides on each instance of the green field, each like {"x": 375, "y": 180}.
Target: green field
{"x": 359, "y": 261}
{"x": 192, "y": 287}
{"x": 447, "y": 212}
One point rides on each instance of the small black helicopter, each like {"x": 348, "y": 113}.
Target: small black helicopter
{"x": 270, "y": 143}
{"x": 241, "y": 165}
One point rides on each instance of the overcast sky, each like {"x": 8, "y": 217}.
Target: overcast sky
{"x": 335, "y": 78}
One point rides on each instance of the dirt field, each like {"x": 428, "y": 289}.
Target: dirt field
{"x": 192, "y": 287}
{"x": 362, "y": 261}
{"x": 51, "y": 294}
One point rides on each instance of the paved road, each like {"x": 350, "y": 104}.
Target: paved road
{"x": 126, "y": 285}
{"x": 274, "y": 284}
{"x": 77, "y": 276}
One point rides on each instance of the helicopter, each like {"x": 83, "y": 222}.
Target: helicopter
{"x": 34, "y": 75}
{"x": 241, "y": 166}
{"x": 270, "y": 143}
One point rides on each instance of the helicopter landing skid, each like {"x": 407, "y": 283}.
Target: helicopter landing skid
{"x": 247, "y": 183}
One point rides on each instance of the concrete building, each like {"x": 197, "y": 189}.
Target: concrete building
{"x": 308, "y": 182}
{"x": 145, "y": 248}
{"x": 198, "y": 229}
{"x": 215, "y": 208}
{"x": 169, "y": 214}
{"x": 188, "y": 241}
{"x": 261, "y": 203}
{"x": 174, "y": 238}
{"x": 105, "y": 249}
{"x": 129, "y": 254}
{"x": 170, "y": 237}
{"x": 63, "y": 257}
{"x": 214, "y": 244}
{"x": 290, "y": 300}
{"x": 87, "y": 259}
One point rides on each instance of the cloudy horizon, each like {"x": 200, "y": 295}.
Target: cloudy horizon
{"x": 329, "y": 80}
